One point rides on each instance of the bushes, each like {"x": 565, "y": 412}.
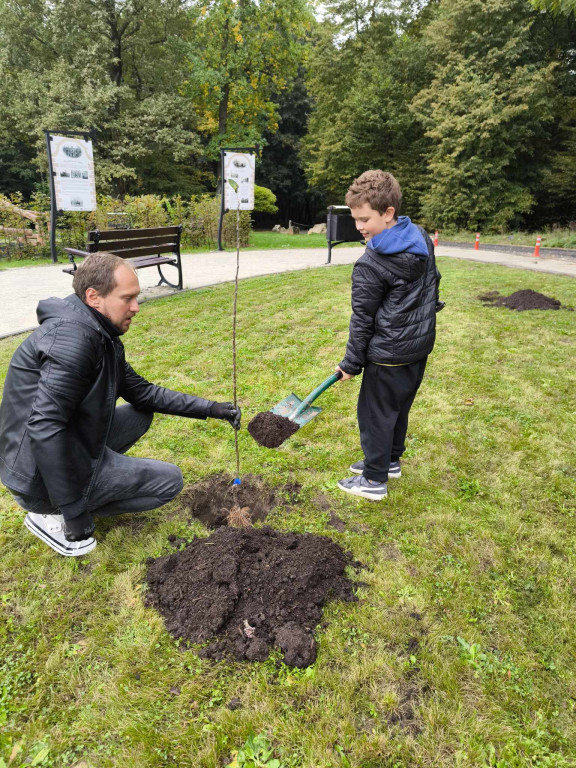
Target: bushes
{"x": 201, "y": 226}
{"x": 199, "y": 217}
{"x": 264, "y": 200}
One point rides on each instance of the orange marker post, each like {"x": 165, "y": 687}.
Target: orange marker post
{"x": 537, "y": 246}
{"x": 477, "y": 243}
{"x": 436, "y": 239}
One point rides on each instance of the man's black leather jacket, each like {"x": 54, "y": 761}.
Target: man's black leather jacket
{"x": 59, "y": 399}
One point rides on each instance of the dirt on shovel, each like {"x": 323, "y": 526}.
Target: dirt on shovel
{"x": 270, "y": 430}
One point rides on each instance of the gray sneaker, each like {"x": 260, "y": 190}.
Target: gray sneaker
{"x": 361, "y": 486}
{"x": 50, "y": 528}
{"x": 393, "y": 471}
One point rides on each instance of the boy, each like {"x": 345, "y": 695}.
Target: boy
{"x": 392, "y": 328}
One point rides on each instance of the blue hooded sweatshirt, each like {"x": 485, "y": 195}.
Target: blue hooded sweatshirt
{"x": 403, "y": 237}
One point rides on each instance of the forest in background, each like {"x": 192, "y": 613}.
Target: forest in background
{"x": 470, "y": 103}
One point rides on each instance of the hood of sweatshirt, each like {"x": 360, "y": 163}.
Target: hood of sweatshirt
{"x": 71, "y": 308}
{"x": 403, "y": 237}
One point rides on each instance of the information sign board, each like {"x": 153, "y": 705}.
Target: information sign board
{"x": 240, "y": 167}
{"x": 73, "y": 173}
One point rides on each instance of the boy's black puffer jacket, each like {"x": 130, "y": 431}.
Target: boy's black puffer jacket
{"x": 393, "y": 309}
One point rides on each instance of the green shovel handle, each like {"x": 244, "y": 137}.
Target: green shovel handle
{"x": 315, "y": 393}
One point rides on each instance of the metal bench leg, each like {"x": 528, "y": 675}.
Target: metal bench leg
{"x": 179, "y": 285}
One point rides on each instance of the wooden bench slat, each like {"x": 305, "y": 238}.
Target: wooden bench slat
{"x": 129, "y": 253}
{"x": 141, "y": 242}
{"x": 150, "y": 261}
{"x": 128, "y": 234}
{"x": 139, "y": 263}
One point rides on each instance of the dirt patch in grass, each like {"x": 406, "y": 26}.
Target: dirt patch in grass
{"x": 211, "y": 500}
{"x": 270, "y": 430}
{"x": 404, "y": 715}
{"x": 520, "y": 300}
{"x": 250, "y": 590}
{"x": 390, "y": 551}
{"x": 337, "y": 522}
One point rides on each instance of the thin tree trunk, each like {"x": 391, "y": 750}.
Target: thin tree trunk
{"x": 223, "y": 110}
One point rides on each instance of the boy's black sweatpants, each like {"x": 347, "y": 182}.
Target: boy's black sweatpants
{"x": 385, "y": 399}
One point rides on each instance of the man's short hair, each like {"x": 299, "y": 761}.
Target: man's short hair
{"x": 377, "y": 188}
{"x": 97, "y": 271}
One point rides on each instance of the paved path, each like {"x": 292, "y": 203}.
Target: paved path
{"x": 21, "y": 289}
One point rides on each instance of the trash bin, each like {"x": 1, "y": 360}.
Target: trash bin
{"x": 340, "y": 227}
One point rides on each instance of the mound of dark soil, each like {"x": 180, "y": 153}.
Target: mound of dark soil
{"x": 211, "y": 500}
{"x": 520, "y": 300}
{"x": 250, "y": 590}
{"x": 270, "y": 430}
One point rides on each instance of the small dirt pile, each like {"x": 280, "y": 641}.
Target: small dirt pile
{"x": 211, "y": 500}
{"x": 250, "y": 590}
{"x": 520, "y": 300}
{"x": 270, "y": 430}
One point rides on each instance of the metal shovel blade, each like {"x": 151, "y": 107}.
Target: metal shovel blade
{"x": 289, "y": 404}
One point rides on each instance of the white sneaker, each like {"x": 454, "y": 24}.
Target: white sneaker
{"x": 50, "y": 529}
{"x": 361, "y": 486}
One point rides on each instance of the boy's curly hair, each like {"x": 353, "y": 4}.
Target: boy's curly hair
{"x": 377, "y": 188}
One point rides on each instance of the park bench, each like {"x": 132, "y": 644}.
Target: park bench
{"x": 155, "y": 247}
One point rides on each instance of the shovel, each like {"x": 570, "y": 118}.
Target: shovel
{"x": 300, "y": 411}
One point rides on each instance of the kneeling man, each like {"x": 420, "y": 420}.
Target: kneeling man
{"x": 62, "y": 437}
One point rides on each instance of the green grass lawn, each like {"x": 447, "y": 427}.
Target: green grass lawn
{"x": 276, "y": 240}
{"x": 558, "y": 238}
{"x": 460, "y": 651}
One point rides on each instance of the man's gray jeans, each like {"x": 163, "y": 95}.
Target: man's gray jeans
{"x": 123, "y": 483}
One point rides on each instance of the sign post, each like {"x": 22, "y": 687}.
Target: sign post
{"x": 71, "y": 171}
{"x": 239, "y": 165}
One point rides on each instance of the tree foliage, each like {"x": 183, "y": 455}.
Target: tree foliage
{"x": 469, "y": 102}
{"x": 556, "y": 6}
{"x": 163, "y": 83}
{"x": 281, "y": 166}
{"x": 362, "y": 85}
{"x": 485, "y": 111}
{"x": 113, "y": 66}
{"x": 242, "y": 53}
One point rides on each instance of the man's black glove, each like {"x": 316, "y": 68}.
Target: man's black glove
{"x": 79, "y": 528}
{"x": 227, "y": 411}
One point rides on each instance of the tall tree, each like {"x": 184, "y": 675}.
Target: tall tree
{"x": 281, "y": 166}
{"x": 486, "y": 113}
{"x": 242, "y": 53}
{"x": 365, "y": 69}
{"x": 556, "y": 194}
{"x": 114, "y": 65}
